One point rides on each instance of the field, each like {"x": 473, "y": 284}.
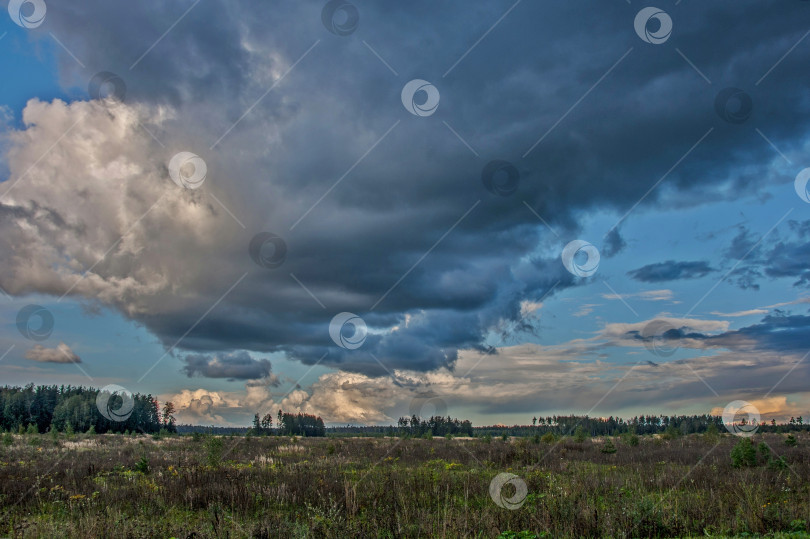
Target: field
{"x": 204, "y": 486}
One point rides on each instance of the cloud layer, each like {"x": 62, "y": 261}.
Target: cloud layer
{"x": 383, "y": 213}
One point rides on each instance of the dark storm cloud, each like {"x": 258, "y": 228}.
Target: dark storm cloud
{"x": 779, "y": 331}
{"x": 233, "y": 366}
{"x": 363, "y": 247}
{"x": 670, "y": 270}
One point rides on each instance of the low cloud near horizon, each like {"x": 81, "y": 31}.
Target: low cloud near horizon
{"x": 61, "y": 354}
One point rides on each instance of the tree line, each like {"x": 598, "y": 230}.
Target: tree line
{"x": 75, "y": 409}
{"x": 288, "y": 425}
{"x": 434, "y": 425}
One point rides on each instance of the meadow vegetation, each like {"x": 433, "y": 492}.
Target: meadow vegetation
{"x": 114, "y": 485}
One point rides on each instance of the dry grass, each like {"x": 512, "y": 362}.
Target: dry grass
{"x": 366, "y": 487}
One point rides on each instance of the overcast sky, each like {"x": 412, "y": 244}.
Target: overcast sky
{"x": 363, "y": 210}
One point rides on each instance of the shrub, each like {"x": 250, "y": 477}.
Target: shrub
{"x": 608, "y": 447}
{"x": 631, "y": 439}
{"x": 764, "y": 450}
{"x": 579, "y": 435}
{"x": 487, "y": 439}
{"x": 214, "y": 449}
{"x": 32, "y": 429}
{"x": 504, "y": 437}
{"x": 548, "y": 438}
{"x": 525, "y": 534}
{"x": 92, "y": 430}
{"x": 790, "y": 440}
{"x": 8, "y": 439}
{"x": 777, "y": 463}
{"x": 671, "y": 433}
{"x": 798, "y": 525}
{"x": 142, "y": 466}
{"x": 711, "y": 435}
{"x": 536, "y": 439}
{"x": 744, "y": 454}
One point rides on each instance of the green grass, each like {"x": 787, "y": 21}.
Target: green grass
{"x": 121, "y": 486}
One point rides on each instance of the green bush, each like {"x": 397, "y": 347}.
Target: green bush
{"x": 744, "y": 454}
{"x": 608, "y": 447}
{"x": 798, "y": 525}
{"x": 631, "y": 439}
{"x": 8, "y": 439}
{"x": 671, "y": 433}
{"x": 579, "y": 435}
{"x": 32, "y": 429}
{"x": 790, "y": 440}
{"x": 142, "y": 466}
{"x": 548, "y": 438}
{"x": 214, "y": 451}
{"x": 711, "y": 435}
{"x": 525, "y": 534}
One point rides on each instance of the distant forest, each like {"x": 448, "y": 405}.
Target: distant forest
{"x": 562, "y": 426}
{"x": 76, "y": 409}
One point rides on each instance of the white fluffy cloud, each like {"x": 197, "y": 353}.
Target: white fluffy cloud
{"x": 89, "y": 209}
{"x": 524, "y": 380}
{"x": 203, "y": 407}
{"x": 89, "y": 195}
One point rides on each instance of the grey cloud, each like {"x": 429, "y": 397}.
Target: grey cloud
{"x": 777, "y": 332}
{"x": 781, "y": 254}
{"x": 614, "y": 244}
{"x": 233, "y": 366}
{"x": 61, "y": 354}
{"x": 374, "y": 228}
{"x": 671, "y": 270}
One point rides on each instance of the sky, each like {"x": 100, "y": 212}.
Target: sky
{"x": 364, "y": 210}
